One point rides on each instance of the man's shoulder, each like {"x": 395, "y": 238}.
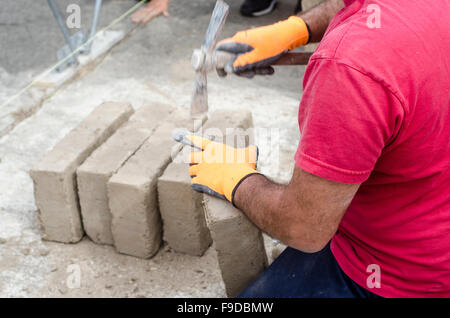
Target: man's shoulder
{"x": 368, "y": 29}
{"x": 393, "y": 23}
{"x": 387, "y": 40}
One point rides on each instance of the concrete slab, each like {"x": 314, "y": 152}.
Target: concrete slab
{"x": 95, "y": 172}
{"x": 55, "y": 79}
{"x": 103, "y": 42}
{"x": 54, "y": 176}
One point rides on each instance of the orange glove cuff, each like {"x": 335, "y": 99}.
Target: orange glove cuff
{"x": 232, "y": 183}
{"x": 300, "y": 28}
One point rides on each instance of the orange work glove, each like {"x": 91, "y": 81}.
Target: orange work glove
{"x": 256, "y": 49}
{"x": 219, "y": 169}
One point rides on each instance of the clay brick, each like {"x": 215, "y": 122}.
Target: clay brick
{"x": 231, "y": 125}
{"x": 132, "y": 191}
{"x": 54, "y": 176}
{"x": 181, "y": 207}
{"x": 238, "y": 242}
{"x": 95, "y": 172}
{"x": 182, "y": 213}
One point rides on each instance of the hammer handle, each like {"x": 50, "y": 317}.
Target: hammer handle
{"x": 221, "y": 59}
{"x": 294, "y": 58}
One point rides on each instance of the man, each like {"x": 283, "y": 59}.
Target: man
{"x": 372, "y": 170}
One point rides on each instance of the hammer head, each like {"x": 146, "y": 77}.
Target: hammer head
{"x": 199, "y": 102}
{"x": 208, "y": 63}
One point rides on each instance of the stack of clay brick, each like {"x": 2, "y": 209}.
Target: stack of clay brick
{"x": 120, "y": 178}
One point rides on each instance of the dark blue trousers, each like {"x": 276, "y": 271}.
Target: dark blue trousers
{"x": 297, "y": 274}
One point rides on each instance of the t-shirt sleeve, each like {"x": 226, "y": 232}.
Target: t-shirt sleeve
{"x": 348, "y": 2}
{"x": 346, "y": 118}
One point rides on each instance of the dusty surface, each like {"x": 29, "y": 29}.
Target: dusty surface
{"x": 152, "y": 65}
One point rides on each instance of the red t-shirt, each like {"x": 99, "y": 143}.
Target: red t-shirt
{"x": 375, "y": 110}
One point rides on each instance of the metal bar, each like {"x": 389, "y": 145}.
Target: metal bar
{"x": 199, "y": 101}
{"x": 98, "y": 5}
{"x": 62, "y": 26}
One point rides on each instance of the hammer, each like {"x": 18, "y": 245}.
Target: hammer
{"x": 205, "y": 60}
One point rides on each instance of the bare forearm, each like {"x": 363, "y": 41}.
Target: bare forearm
{"x": 270, "y": 207}
{"x": 320, "y": 16}
{"x": 304, "y": 214}
{"x": 261, "y": 200}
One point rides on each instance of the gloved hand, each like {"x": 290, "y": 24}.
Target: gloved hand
{"x": 256, "y": 49}
{"x": 219, "y": 169}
